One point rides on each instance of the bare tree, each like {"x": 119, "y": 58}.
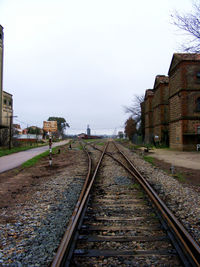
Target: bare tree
{"x": 189, "y": 24}
{"x": 135, "y": 108}
{"x": 136, "y": 113}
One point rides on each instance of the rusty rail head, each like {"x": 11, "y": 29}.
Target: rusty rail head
{"x": 186, "y": 239}
{"x": 68, "y": 236}
{"x": 60, "y": 251}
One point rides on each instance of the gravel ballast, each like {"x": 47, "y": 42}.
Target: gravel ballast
{"x": 39, "y": 224}
{"x": 33, "y": 237}
{"x": 183, "y": 201}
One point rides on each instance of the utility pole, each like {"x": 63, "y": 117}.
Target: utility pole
{"x": 50, "y": 149}
{"x": 10, "y": 131}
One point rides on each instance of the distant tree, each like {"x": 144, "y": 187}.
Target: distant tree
{"x": 189, "y": 24}
{"x": 61, "y": 123}
{"x": 130, "y": 128}
{"x": 136, "y": 112}
{"x": 33, "y": 130}
{"x": 120, "y": 134}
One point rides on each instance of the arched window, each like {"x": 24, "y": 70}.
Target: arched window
{"x": 198, "y": 104}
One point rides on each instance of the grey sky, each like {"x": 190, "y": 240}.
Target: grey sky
{"x": 83, "y": 60}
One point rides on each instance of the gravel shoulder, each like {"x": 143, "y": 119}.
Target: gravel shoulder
{"x": 36, "y": 205}
{"x": 183, "y": 200}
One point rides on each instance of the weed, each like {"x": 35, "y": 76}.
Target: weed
{"x": 140, "y": 194}
{"x": 149, "y": 159}
{"x": 179, "y": 177}
{"x": 134, "y": 186}
{"x": 80, "y": 147}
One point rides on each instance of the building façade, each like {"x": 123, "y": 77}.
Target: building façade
{"x": 171, "y": 110}
{"x": 6, "y": 102}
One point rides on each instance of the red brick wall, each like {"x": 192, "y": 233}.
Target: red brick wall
{"x": 174, "y": 108}
{"x": 160, "y": 109}
{"x": 184, "y": 90}
{"x": 148, "y": 118}
{"x": 175, "y": 82}
{"x": 175, "y": 135}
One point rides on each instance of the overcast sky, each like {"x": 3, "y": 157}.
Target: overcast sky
{"x": 85, "y": 59}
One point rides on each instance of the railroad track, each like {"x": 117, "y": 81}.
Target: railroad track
{"x": 115, "y": 223}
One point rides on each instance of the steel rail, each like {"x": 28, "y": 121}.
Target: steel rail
{"x": 190, "y": 245}
{"x": 184, "y": 237}
{"x": 67, "y": 240}
{"x": 60, "y": 252}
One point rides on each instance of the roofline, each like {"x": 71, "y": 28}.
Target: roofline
{"x": 178, "y": 55}
{"x": 7, "y": 93}
{"x": 160, "y": 82}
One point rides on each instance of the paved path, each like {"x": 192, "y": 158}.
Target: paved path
{"x": 16, "y": 159}
{"x": 185, "y": 159}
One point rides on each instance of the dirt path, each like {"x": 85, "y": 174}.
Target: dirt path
{"x": 190, "y": 160}
{"x": 18, "y": 185}
{"x": 186, "y": 165}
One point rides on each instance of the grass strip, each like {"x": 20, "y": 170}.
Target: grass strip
{"x": 34, "y": 160}
{"x": 4, "y": 152}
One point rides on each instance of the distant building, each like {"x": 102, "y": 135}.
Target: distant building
{"x": 33, "y": 130}
{"x": 17, "y": 129}
{"x": 88, "y": 130}
{"x": 7, "y": 110}
{"x": 28, "y": 137}
{"x": 6, "y": 102}
{"x": 85, "y": 136}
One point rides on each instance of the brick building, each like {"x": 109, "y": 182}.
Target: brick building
{"x": 160, "y": 109}
{"x": 172, "y": 107}
{"x": 184, "y": 101}
{"x": 148, "y": 109}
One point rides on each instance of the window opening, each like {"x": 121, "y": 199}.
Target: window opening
{"x": 198, "y": 104}
{"x": 198, "y": 75}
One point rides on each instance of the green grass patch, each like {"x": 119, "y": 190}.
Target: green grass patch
{"x": 149, "y": 159}
{"x": 91, "y": 140}
{"x": 80, "y": 147}
{"x": 179, "y": 176}
{"x": 34, "y": 160}
{"x": 100, "y": 144}
{"x": 4, "y": 152}
{"x": 134, "y": 186}
{"x": 140, "y": 194}
{"x": 153, "y": 215}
